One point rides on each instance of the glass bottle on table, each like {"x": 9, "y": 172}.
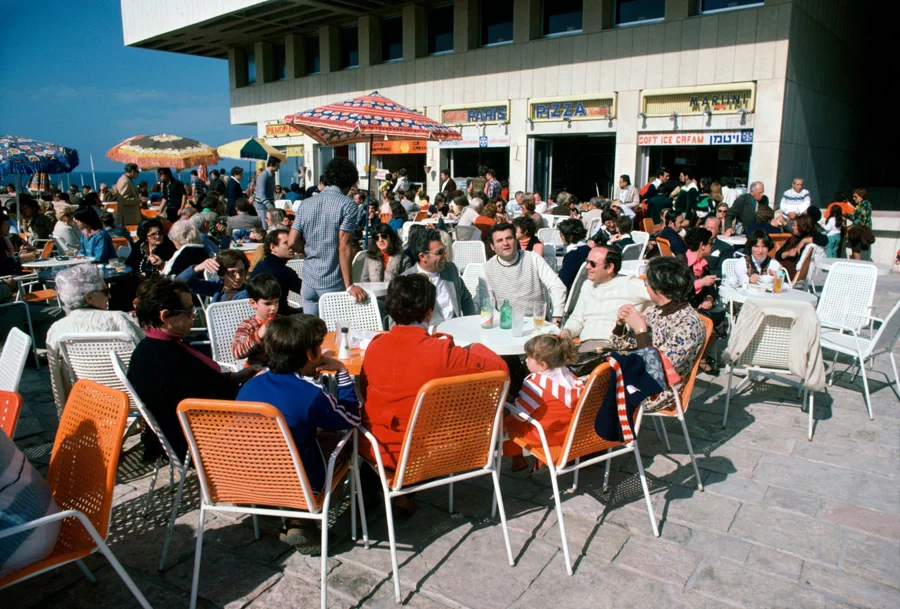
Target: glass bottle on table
{"x": 487, "y": 314}
{"x": 506, "y": 316}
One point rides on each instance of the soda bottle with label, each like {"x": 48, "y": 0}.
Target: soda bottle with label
{"x": 487, "y": 314}
{"x": 506, "y": 316}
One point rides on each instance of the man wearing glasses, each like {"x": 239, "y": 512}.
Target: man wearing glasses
{"x": 453, "y": 298}
{"x": 601, "y": 296}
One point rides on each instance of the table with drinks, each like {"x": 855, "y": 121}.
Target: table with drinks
{"x": 504, "y": 332}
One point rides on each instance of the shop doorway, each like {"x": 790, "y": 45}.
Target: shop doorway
{"x": 464, "y": 163}
{"x": 582, "y": 165}
{"x": 413, "y": 163}
{"x": 714, "y": 162}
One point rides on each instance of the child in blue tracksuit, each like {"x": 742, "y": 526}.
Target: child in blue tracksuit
{"x": 294, "y": 349}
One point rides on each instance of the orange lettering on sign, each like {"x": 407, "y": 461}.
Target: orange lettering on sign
{"x": 400, "y": 147}
{"x": 281, "y": 129}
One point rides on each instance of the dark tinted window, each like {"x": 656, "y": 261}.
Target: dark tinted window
{"x": 251, "y": 68}
{"x": 440, "y": 29}
{"x": 562, "y": 16}
{"x": 496, "y": 21}
{"x": 280, "y": 61}
{"x": 391, "y": 39}
{"x": 633, "y": 11}
{"x": 350, "y": 47}
{"x": 311, "y": 51}
{"x": 719, "y": 5}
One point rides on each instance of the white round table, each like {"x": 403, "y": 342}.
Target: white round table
{"x": 468, "y": 330}
{"x": 741, "y": 294}
{"x": 378, "y": 288}
{"x": 53, "y": 262}
{"x": 449, "y": 221}
{"x": 734, "y": 240}
{"x": 825, "y": 265}
{"x": 245, "y": 247}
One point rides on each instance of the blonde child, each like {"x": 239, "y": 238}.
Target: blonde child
{"x": 549, "y": 394}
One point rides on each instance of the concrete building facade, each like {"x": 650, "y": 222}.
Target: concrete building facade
{"x": 554, "y": 94}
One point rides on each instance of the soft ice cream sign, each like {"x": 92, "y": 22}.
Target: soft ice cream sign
{"x": 493, "y": 112}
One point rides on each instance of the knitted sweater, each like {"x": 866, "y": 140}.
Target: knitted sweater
{"x": 522, "y": 283}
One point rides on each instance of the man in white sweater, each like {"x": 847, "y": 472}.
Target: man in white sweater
{"x": 601, "y": 296}
{"x": 520, "y": 277}
{"x": 795, "y": 200}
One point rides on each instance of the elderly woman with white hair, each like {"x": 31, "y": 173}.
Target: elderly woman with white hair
{"x": 85, "y": 297}
{"x": 190, "y": 250}
{"x": 64, "y": 231}
{"x": 201, "y": 223}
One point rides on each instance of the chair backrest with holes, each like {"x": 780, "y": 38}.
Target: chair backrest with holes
{"x": 244, "y": 454}
{"x": 572, "y": 296}
{"x": 550, "y": 254}
{"x": 688, "y": 385}
{"x": 222, "y": 320}
{"x": 85, "y": 457}
{"x": 594, "y": 227}
{"x": 771, "y": 344}
{"x": 12, "y": 359}
{"x": 453, "y": 427}
{"x": 468, "y": 233}
{"x": 847, "y": 297}
{"x": 728, "y": 267}
{"x": 296, "y": 264}
{"x": 149, "y": 419}
{"x": 467, "y": 252}
{"x": 665, "y": 248}
{"x": 632, "y": 252}
{"x": 342, "y": 307}
{"x": 471, "y": 277}
{"x": 581, "y": 439}
{"x": 550, "y": 235}
{"x": 359, "y": 261}
{"x": 10, "y": 406}
{"x": 887, "y": 335}
{"x": 86, "y": 356}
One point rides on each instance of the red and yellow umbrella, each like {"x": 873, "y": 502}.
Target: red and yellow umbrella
{"x": 163, "y": 150}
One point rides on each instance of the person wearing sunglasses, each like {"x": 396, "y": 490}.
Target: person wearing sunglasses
{"x": 223, "y": 278}
{"x": 453, "y": 298}
{"x": 153, "y": 249}
{"x": 384, "y": 257}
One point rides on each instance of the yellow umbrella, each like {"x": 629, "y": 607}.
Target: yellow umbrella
{"x": 251, "y": 148}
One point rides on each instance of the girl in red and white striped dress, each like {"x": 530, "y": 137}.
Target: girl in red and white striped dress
{"x": 549, "y": 394}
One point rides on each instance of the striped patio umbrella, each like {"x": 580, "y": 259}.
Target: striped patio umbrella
{"x": 151, "y": 151}
{"x": 23, "y": 156}
{"x": 251, "y": 148}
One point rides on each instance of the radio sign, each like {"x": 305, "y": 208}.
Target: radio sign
{"x": 489, "y": 113}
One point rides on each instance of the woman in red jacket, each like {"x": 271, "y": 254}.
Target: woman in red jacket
{"x": 399, "y": 362}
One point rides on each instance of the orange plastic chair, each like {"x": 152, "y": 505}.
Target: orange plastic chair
{"x": 779, "y": 239}
{"x": 422, "y": 215}
{"x": 48, "y": 250}
{"x": 582, "y": 441}
{"x": 112, "y": 207}
{"x": 453, "y": 435}
{"x": 131, "y": 228}
{"x": 665, "y": 249}
{"x": 82, "y": 476}
{"x": 39, "y": 296}
{"x": 10, "y": 406}
{"x": 649, "y": 226}
{"x": 246, "y": 457}
{"x": 682, "y": 400}
{"x": 120, "y": 242}
{"x": 149, "y": 213}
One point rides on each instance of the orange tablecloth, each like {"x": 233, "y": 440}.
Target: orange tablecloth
{"x": 354, "y": 364}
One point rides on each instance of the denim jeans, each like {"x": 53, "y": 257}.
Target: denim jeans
{"x": 311, "y": 295}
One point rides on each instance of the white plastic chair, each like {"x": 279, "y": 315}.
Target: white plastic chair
{"x": 632, "y": 253}
{"x": 550, "y": 235}
{"x": 283, "y": 204}
{"x": 639, "y": 236}
{"x": 766, "y": 356}
{"x": 174, "y": 462}
{"x": 222, "y": 320}
{"x": 467, "y": 233}
{"x": 359, "y": 261}
{"x": 864, "y": 349}
{"x": 296, "y": 264}
{"x": 472, "y": 278}
{"x": 805, "y": 269}
{"x": 341, "y": 307}
{"x": 846, "y": 300}
{"x": 453, "y": 435}
{"x": 728, "y": 268}
{"x": 86, "y": 356}
{"x": 467, "y": 252}
{"x": 12, "y": 359}
{"x": 572, "y": 296}
{"x": 596, "y": 223}
{"x": 404, "y": 230}
{"x": 549, "y": 256}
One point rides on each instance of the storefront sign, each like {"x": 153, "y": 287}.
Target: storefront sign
{"x": 472, "y": 115}
{"x": 295, "y": 151}
{"x": 695, "y": 100}
{"x": 400, "y": 147}
{"x": 282, "y": 130}
{"x": 573, "y": 108}
{"x": 478, "y": 141}
{"x": 697, "y": 138}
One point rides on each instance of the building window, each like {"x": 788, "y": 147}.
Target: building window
{"x": 391, "y": 39}
{"x": 562, "y": 17}
{"x": 311, "y": 52}
{"x": 251, "y": 68}
{"x": 279, "y": 59}
{"x": 440, "y": 29}
{"x": 638, "y": 11}
{"x": 350, "y": 47}
{"x": 715, "y": 6}
{"x": 496, "y": 22}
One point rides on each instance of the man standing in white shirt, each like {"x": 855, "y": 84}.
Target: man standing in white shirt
{"x": 601, "y": 296}
{"x": 453, "y": 298}
{"x": 795, "y": 200}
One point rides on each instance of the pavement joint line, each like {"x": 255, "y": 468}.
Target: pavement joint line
{"x": 689, "y": 584}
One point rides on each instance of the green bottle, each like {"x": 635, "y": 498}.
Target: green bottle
{"x": 506, "y": 316}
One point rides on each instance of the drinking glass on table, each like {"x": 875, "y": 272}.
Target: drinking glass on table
{"x": 539, "y": 315}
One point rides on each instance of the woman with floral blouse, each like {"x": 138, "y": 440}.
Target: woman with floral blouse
{"x": 859, "y": 239}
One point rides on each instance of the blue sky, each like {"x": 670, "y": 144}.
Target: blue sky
{"x": 69, "y": 79}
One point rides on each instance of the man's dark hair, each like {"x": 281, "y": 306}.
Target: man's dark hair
{"x": 402, "y": 172}
{"x": 608, "y": 214}
{"x": 162, "y": 170}
{"x": 264, "y": 287}
{"x": 155, "y": 295}
{"x": 288, "y": 339}
{"x": 214, "y": 173}
{"x": 87, "y": 215}
{"x": 272, "y": 161}
{"x": 439, "y": 197}
{"x": 764, "y": 214}
{"x": 296, "y": 188}
{"x": 696, "y": 236}
{"x": 661, "y": 172}
{"x": 243, "y": 205}
{"x": 340, "y": 172}
{"x": 482, "y": 169}
{"x": 492, "y": 173}
{"x": 671, "y": 215}
{"x": 272, "y": 238}
{"x": 461, "y": 200}
{"x": 229, "y": 259}
{"x": 108, "y": 220}
{"x": 423, "y": 241}
{"x": 624, "y": 225}
{"x": 236, "y": 171}
{"x": 500, "y": 227}
{"x": 131, "y": 167}
{"x": 409, "y": 298}
{"x": 625, "y": 178}
{"x": 446, "y": 172}
{"x": 410, "y": 194}
{"x": 613, "y": 257}
{"x": 671, "y": 277}
{"x": 572, "y": 230}
{"x": 194, "y": 173}
{"x": 688, "y": 172}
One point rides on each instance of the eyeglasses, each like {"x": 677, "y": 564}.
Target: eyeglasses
{"x": 440, "y": 252}
{"x": 235, "y": 271}
{"x": 381, "y": 238}
{"x": 593, "y": 264}
{"x": 154, "y": 234}
{"x": 174, "y": 312}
